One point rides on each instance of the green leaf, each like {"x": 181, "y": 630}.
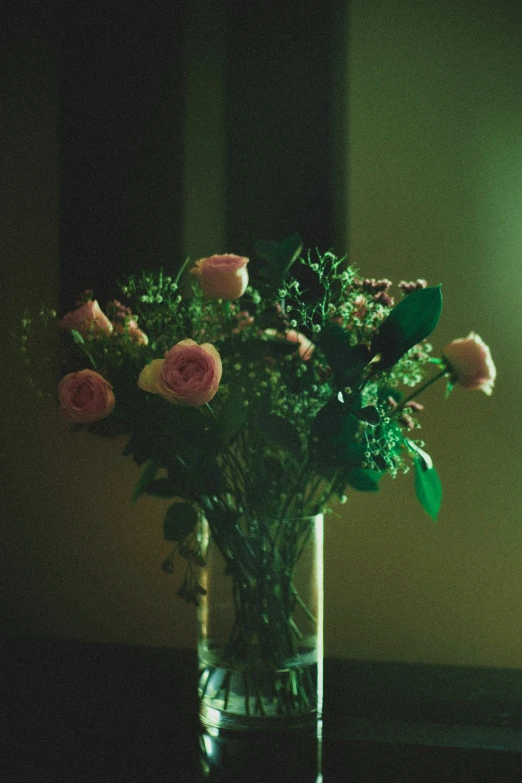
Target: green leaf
{"x": 254, "y": 349}
{"x": 410, "y": 322}
{"x": 222, "y": 519}
{"x": 427, "y": 487}
{"x": 369, "y": 414}
{"x": 345, "y": 360}
{"x": 231, "y": 417}
{"x": 365, "y": 480}
{"x": 163, "y": 488}
{"x": 77, "y": 337}
{"x": 333, "y": 438}
{"x": 180, "y": 520}
{"x": 279, "y": 257}
{"x": 164, "y": 432}
{"x": 147, "y": 475}
{"x": 139, "y": 448}
{"x": 280, "y": 434}
{"x": 110, "y": 427}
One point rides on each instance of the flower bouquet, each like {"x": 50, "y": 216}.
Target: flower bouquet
{"x": 253, "y": 396}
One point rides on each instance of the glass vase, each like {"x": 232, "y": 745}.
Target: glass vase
{"x": 260, "y": 644}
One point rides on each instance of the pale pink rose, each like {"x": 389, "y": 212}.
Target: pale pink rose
{"x": 135, "y": 333}
{"x": 85, "y": 396}
{"x": 306, "y": 346}
{"x": 470, "y": 362}
{"x": 222, "y": 276}
{"x": 188, "y": 375}
{"x": 87, "y": 319}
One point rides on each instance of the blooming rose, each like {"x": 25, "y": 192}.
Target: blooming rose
{"x": 188, "y": 375}
{"x": 470, "y": 362}
{"x": 306, "y": 346}
{"x": 87, "y": 319}
{"x": 135, "y": 333}
{"x": 222, "y": 276}
{"x": 85, "y": 396}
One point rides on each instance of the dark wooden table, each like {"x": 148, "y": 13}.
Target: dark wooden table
{"x": 71, "y": 712}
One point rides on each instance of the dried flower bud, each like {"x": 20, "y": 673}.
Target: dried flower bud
{"x": 384, "y": 299}
{"x": 414, "y": 406}
{"x": 414, "y": 285}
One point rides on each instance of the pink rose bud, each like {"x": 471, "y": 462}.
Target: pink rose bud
{"x": 87, "y": 319}
{"x": 188, "y": 375}
{"x": 306, "y": 346}
{"x": 222, "y": 276}
{"x": 133, "y": 330}
{"x": 470, "y": 362}
{"x": 85, "y": 396}
{"x": 136, "y": 334}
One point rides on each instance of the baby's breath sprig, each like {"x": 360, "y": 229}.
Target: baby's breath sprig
{"x": 155, "y": 298}
{"x": 311, "y": 309}
{"x": 34, "y": 329}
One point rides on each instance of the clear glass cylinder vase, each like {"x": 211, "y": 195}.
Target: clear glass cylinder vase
{"x": 260, "y": 643}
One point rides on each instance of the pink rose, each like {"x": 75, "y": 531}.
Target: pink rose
{"x": 85, "y": 396}
{"x": 87, "y": 319}
{"x": 470, "y": 362}
{"x": 188, "y": 375}
{"x": 222, "y": 276}
{"x": 306, "y": 346}
{"x": 133, "y": 330}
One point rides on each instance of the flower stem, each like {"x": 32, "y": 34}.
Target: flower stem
{"x": 181, "y": 270}
{"x": 445, "y": 371}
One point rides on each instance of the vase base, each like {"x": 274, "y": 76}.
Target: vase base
{"x": 212, "y": 718}
{"x": 260, "y": 699}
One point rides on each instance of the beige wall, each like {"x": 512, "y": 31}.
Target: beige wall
{"x": 435, "y": 188}
{"x": 76, "y": 559}
{"x": 435, "y": 182}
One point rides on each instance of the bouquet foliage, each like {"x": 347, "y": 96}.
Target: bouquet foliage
{"x": 255, "y": 399}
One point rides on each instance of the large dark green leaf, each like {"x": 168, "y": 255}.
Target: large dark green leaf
{"x": 278, "y": 257}
{"x": 365, "y": 480}
{"x": 231, "y": 416}
{"x": 333, "y": 437}
{"x": 139, "y": 447}
{"x": 208, "y": 476}
{"x": 221, "y": 518}
{"x": 253, "y": 350}
{"x": 165, "y": 431}
{"x": 410, "y": 322}
{"x": 110, "y": 427}
{"x": 279, "y": 433}
{"x": 165, "y": 488}
{"x": 428, "y": 487}
{"x": 369, "y": 414}
{"x": 180, "y": 520}
{"x": 346, "y": 361}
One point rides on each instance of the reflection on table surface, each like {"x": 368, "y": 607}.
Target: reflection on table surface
{"x": 76, "y": 712}
{"x": 255, "y": 756}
